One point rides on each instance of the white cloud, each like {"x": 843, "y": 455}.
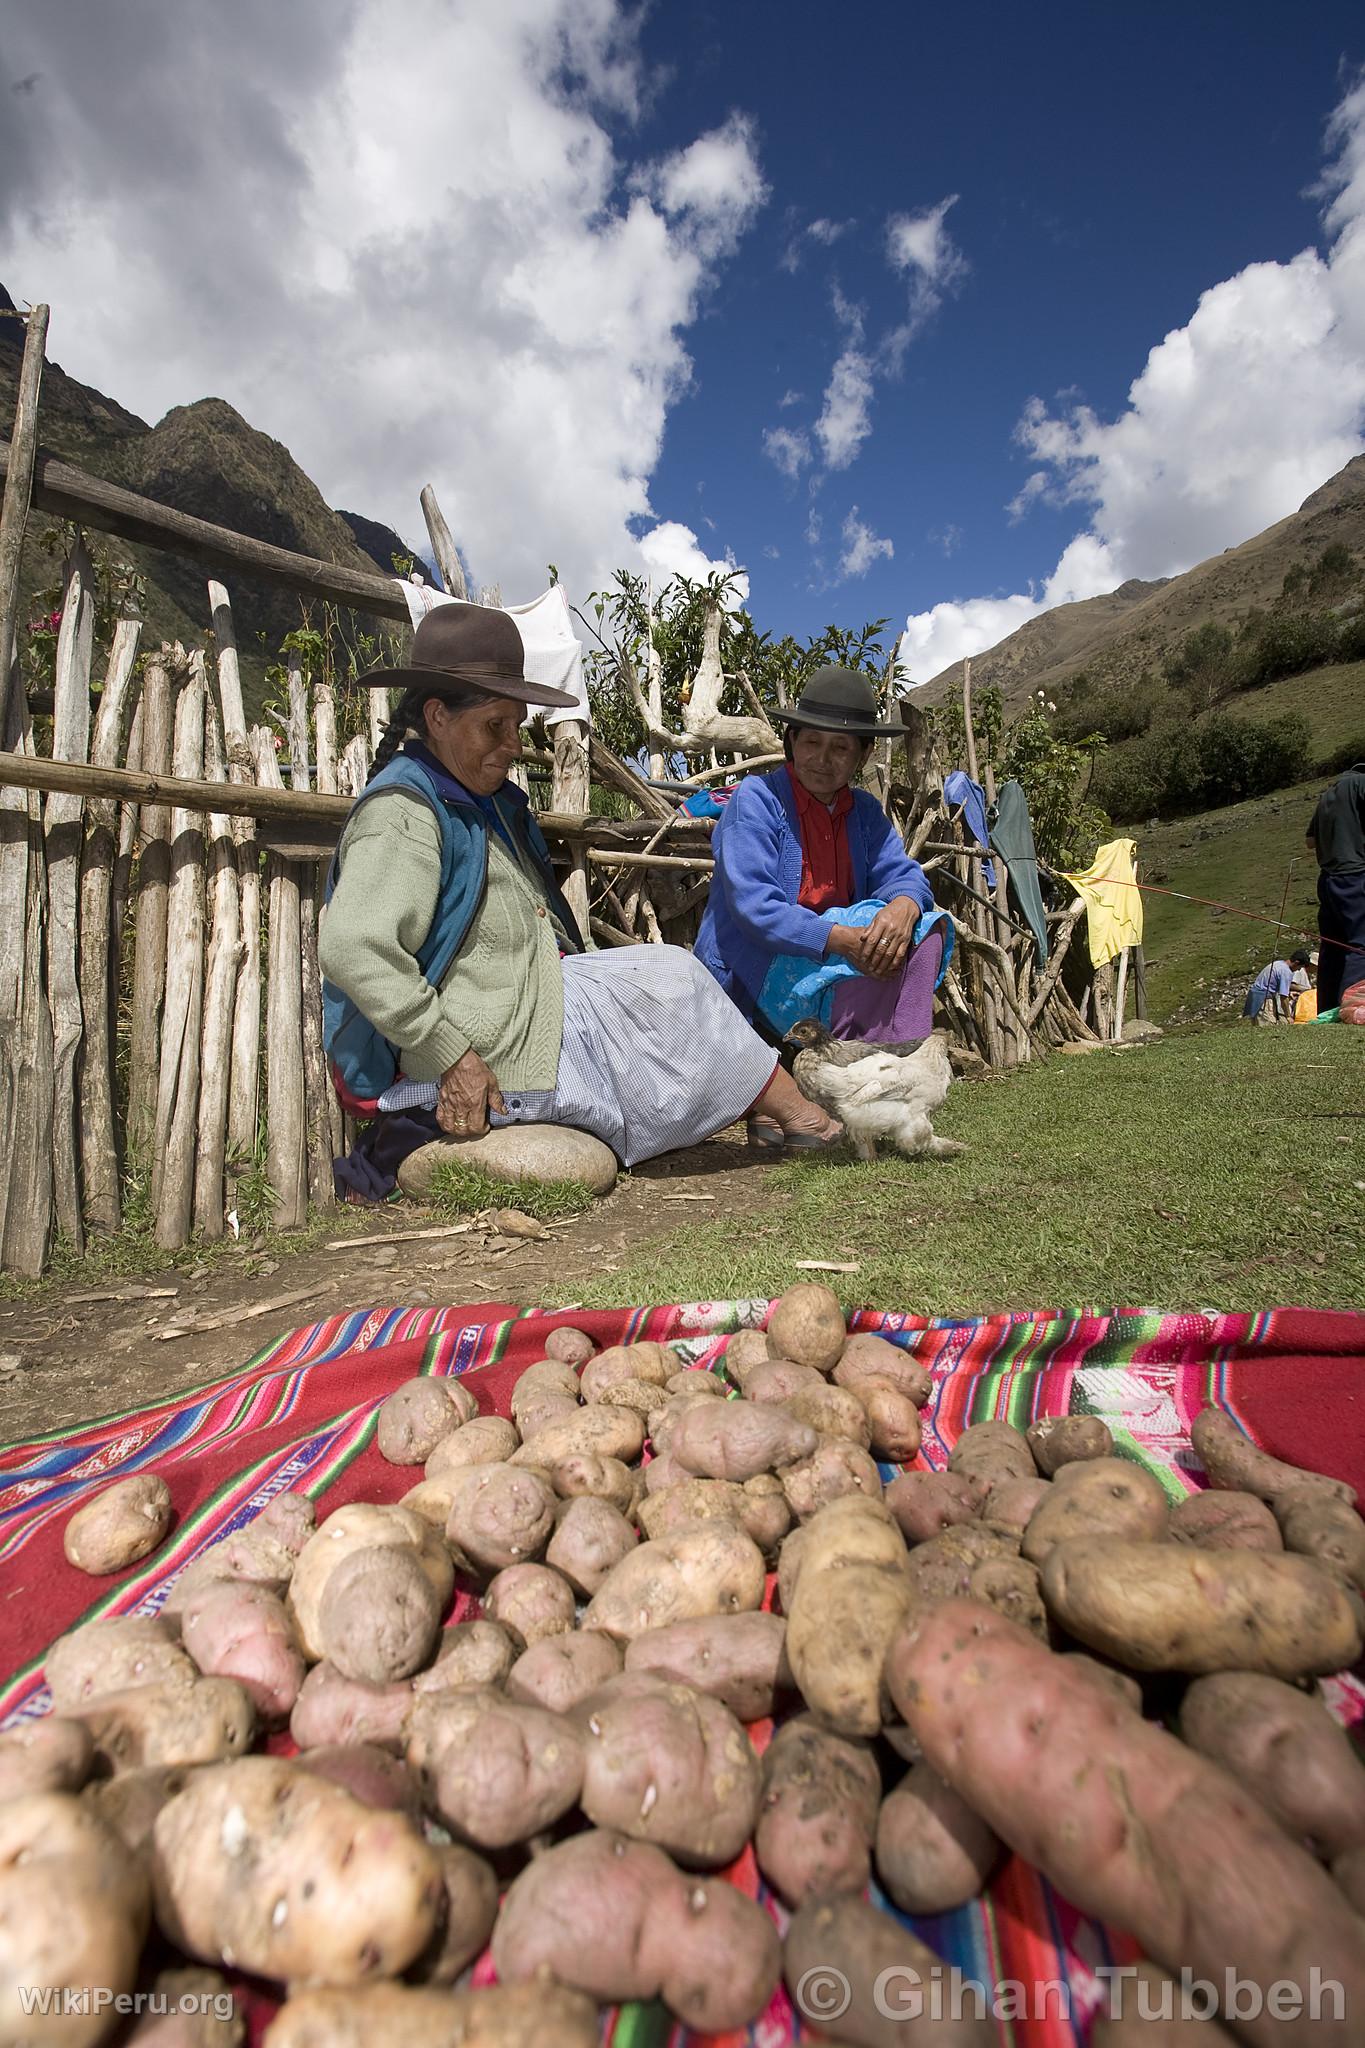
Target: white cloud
{"x": 789, "y": 398}
{"x": 828, "y": 232}
{"x": 1234, "y": 419}
{"x": 789, "y": 449}
{"x": 411, "y": 251}
{"x": 773, "y": 554}
{"x": 846, "y": 417}
{"x": 672, "y": 549}
{"x": 862, "y": 547}
{"x": 920, "y": 247}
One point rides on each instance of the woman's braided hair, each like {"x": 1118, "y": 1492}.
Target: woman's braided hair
{"x": 407, "y": 717}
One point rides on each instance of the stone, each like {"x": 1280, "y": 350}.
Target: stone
{"x": 516, "y": 1152}
{"x": 1138, "y": 1029}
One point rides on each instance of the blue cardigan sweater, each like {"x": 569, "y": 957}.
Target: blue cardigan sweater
{"x": 753, "y": 914}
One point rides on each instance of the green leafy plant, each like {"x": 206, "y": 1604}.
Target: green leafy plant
{"x": 458, "y": 1189}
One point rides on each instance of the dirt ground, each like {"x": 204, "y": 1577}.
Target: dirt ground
{"x": 85, "y": 1349}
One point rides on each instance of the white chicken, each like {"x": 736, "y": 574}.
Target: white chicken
{"x": 875, "y": 1092}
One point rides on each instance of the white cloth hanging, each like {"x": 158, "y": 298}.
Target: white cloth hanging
{"x": 553, "y": 653}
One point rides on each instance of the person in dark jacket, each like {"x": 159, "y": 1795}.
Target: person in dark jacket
{"x": 1336, "y": 834}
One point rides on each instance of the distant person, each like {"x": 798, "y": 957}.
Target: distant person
{"x": 1278, "y": 984}
{"x": 1336, "y": 834}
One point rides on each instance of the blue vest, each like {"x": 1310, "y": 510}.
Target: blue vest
{"x": 363, "y": 1057}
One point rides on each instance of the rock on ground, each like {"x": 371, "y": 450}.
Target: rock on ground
{"x": 517, "y": 1152}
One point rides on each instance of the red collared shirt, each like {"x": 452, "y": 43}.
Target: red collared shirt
{"x": 826, "y": 863}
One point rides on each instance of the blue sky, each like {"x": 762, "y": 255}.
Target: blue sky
{"x": 939, "y": 314}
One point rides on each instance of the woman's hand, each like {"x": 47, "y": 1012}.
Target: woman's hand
{"x": 877, "y": 949}
{"x": 467, "y": 1092}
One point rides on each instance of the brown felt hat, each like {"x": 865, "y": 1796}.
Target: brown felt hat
{"x": 475, "y": 645}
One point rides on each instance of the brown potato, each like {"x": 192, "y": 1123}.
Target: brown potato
{"x": 370, "y": 1774}
{"x": 1285, "y": 1747}
{"x": 590, "y": 1536}
{"x": 360, "y": 1525}
{"x": 648, "y": 1363}
{"x": 706, "y": 1568}
{"x": 1224, "y": 1521}
{"x": 834, "y": 1411}
{"x": 421, "y": 2016}
{"x": 1057, "y": 1440}
{"x": 73, "y": 1914}
{"x": 639, "y": 1396}
{"x": 733, "y": 1439}
{"x": 765, "y": 1514}
{"x": 668, "y": 1765}
{"x": 1011, "y": 1586}
{"x": 1170, "y": 1607}
{"x": 540, "y": 1408}
{"x": 485, "y": 1440}
{"x": 993, "y": 1451}
{"x": 924, "y": 1503}
{"x": 933, "y": 1852}
{"x": 1235, "y": 1464}
{"x": 1096, "y": 1498}
{"x": 1319, "y": 1526}
{"x": 835, "y": 1469}
{"x": 190, "y": 2008}
{"x": 606, "y": 1432}
{"x": 745, "y": 1350}
{"x": 531, "y": 1602}
{"x": 417, "y": 1415}
{"x": 738, "y": 1659}
{"x": 696, "y": 1379}
{"x": 569, "y": 1346}
{"x": 807, "y": 1324}
{"x": 51, "y": 1755}
{"x": 170, "y": 1724}
{"x": 1142, "y": 2009}
{"x": 846, "y": 1945}
{"x": 559, "y": 1671}
{"x": 789, "y": 1566}
{"x": 585, "y": 1472}
{"x": 234, "y": 1629}
{"x": 430, "y": 1499}
{"x": 499, "y": 1516}
{"x": 1008, "y": 1504}
{"x": 332, "y": 1709}
{"x": 778, "y": 1378}
{"x": 851, "y": 1596}
{"x": 819, "y": 1812}
{"x": 264, "y": 1553}
{"x": 546, "y": 1376}
{"x": 471, "y": 1907}
{"x": 495, "y": 1771}
{"x": 289, "y": 1877}
{"x": 893, "y": 1421}
{"x": 124, "y": 1522}
{"x": 1349, "y": 1872}
{"x": 379, "y": 1615}
{"x": 469, "y": 1653}
{"x": 112, "y": 1656}
{"x": 871, "y": 1360}
{"x": 130, "y": 1803}
{"x": 943, "y": 1568}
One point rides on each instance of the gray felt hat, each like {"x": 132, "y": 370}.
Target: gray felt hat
{"x": 840, "y": 700}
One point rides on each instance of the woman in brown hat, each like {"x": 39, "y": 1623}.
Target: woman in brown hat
{"x": 816, "y": 909}
{"x": 458, "y": 993}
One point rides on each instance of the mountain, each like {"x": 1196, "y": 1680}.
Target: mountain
{"x": 204, "y": 459}
{"x": 1116, "y": 637}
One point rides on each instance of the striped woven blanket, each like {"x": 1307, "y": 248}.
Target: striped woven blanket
{"x": 301, "y": 1416}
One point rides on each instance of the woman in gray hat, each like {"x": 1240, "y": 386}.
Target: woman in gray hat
{"x": 811, "y": 876}
{"x": 457, "y": 991}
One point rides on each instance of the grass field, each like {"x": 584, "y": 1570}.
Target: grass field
{"x": 1225, "y": 1170}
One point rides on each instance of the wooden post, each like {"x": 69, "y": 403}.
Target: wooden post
{"x": 25, "y": 1025}
{"x": 1121, "y": 994}
{"x": 245, "y": 1084}
{"x": 325, "y": 728}
{"x": 101, "y": 948}
{"x": 317, "y": 1088}
{"x": 18, "y": 485}
{"x": 63, "y": 835}
{"x": 443, "y": 547}
{"x": 967, "y": 718}
{"x": 177, "y": 1101}
{"x": 1139, "y": 984}
{"x": 285, "y": 1153}
{"x": 149, "y": 945}
{"x": 122, "y": 883}
{"x": 220, "y": 988}
{"x": 355, "y": 765}
{"x": 571, "y": 793}
{"x": 379, "y": 716}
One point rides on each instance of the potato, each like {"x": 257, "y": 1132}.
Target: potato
{"x": 1349, "y": 1873}
{"x": 1126, "y": 1822}
{"x": 1285, "y": 1747}
{"x": 469, "y": 1653}
{"x": 745, "y": 1350}
{"x": 267, "y": 1868}
{"x": 690, "y": 1500}
{"x": 807, "y": 1324}
{"x": 893, "y": 1421}
{"x": 471, "y": 1907}
{"x": 706, "y": 1568}
{"x": 778, "y": 1378}
{"x": 670, "y": 1766}
{"x": 406, "y": 2016}
{"x": 234, "y": 1629}
{"x": 1224, "y": 1521}
{"x": 1008, "y": 1505}
{"x": 540, "y": 1410}
{"x": 585, "y": 1472}
{"x": 263, "y": 1553}
{"x": 499, "y": 1516}
{"x": 615, "y": 1918}
{"x": 496, "y": 1772}
{"x": 942, "y": 1568}
{"x": 834, "y": 1470}
{"x": 170, "y": 1724}
{"x": 590, "y": 1536}
{"x": 1142, "y": 2009}
{"x": 124, "y": 1522}
{"x": 648, "y": 1363}
{"x": 1235, "y": 1464}
{"x": 924, "y": 1503}
{"x": 1057, "y": 1440}
{"x": 73, "y": 1916}
{"x": 360, "y": 1526}
{"x": 51, "y": 1755}
{"x": 112, "y": 1656}
{"x": 569, "y": 1346}
{"x": 695, "y": 1379}
{"x": 379, "y": 1615}
{"x": 607, "y": 1432}
{"x": 738, "y": 1659}
{"x": 819, "y": 1812}
{"x": 559, "y": 1671}
{"x": 1168, "y": 1607}
{"x": 130, "y": 1803}
{"x": 933, "y": 1852}
{"x": 1316, "y": 1525}
{"x": 733, "y": 1439}
{"x": 843, "y": 1946}
{"x": 638, "y": 1396}
{"x": 993, "y": 1451}
{"x": 332, "y": 1709}
{"x": 1120, "y": 1685}
{"x": 852, "y": 1594}
{"x": 1011, "y": 1586}
{"x": 1101, "y": 1497}
{"x": 372, "y": 1775}
{"x": 430, "y": 1499}
{"x": 189, "y": 2008}
{"x": 834, "y": 1411}
{"x": 868, "y": 1359}
{"x": 531, "y": 1602}
{"x": 789, "y": 1566}
{"x": 764, "y": 1512}
{"x": 417, "y": 1415}
{"x": 546, "y": 1376}
{"x": 486, "y": 1440}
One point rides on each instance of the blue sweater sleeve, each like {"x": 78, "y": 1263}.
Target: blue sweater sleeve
{"x": 748, "y": 859}
{"x": 890, "y": 870}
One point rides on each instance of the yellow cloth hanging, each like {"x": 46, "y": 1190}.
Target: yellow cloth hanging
{"x": 1113, "y": 906}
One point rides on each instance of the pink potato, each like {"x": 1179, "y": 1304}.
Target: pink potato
{"x": 478, "y": 1652}
{"x": 834, "y": 1470}
{"x": 51, "y": 1755}
{"x": 1235, "y": 1464}
{"x": 114, "y": 1656}
{"x": 670, "y": 1766}
{"x": 415, "y": 1417}
{"x": 816, "y": 1825}
{"x": 871, "y": 1359}
{"x": 531, "y": 1602}
{"x": 379, "y": 1615}
{"x": 263, "y": 1553}
{"x": 571, "y": 1346}
{"x": 1286, "y": 1747}
{"x": 650, "y": 1363}
{"x": 234, "y": 1629}
{"x": 778, "y": 1378}
{"x": 1224, "y": 1521}
{"x": 499, "y": 1515}
{"x": 470, "y": 1908}
{"x": 734, "y": 1439}
{"x": 933, "y": 1852}
{"x": 496, "y": 1772}
{"x": 926, "y": 1502}
{"x": 372, "y": 1775}
{"x": 1126, "y": 1822}
{"x": 559, "y": 1671}
{"x": 739, "y": 1659}
{"x": 703, "y": 1568}
{"x": 332, "y": 1709}
{"x": 590, "y": 1536}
